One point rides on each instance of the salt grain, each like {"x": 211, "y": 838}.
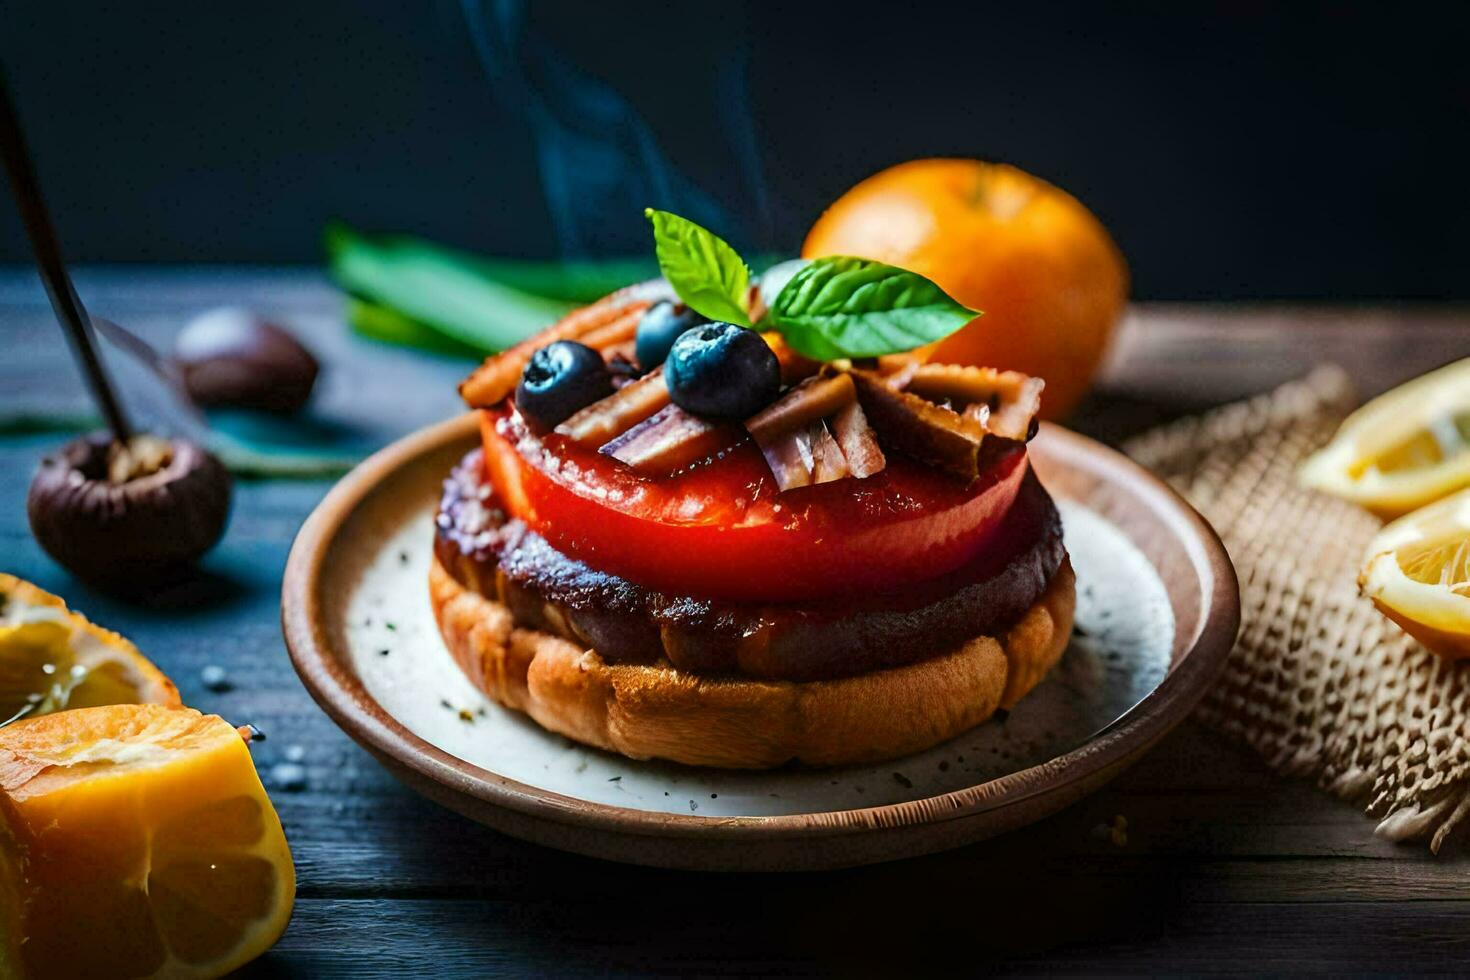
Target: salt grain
{"x": 215, "y": 678}
{"x": 289, "y": 777}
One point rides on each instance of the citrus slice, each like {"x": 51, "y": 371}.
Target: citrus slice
{"x": 136, "y": 840}
{"x": 1402, "y": 450}
{"x": 1418, "y": 574}
{"x": 52, "y": 658}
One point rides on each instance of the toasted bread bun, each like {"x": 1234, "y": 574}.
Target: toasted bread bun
{"x": 734, "y": 723}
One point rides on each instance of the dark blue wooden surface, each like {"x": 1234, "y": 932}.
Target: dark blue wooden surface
{"x": 1225, "y": 865}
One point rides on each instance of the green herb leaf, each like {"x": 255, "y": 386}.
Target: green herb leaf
{"x": 848, "y": 307}
{"x": 573, "y": 280}
{"x": 454, "y": 298}
{"x": 388, "y": 326}
{"x": 702, "y": 268}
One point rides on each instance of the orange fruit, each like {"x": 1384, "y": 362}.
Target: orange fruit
{"x": 1045, "y": 273}
{"x": 136, "y": 840}
{"x": 52, "y": 658}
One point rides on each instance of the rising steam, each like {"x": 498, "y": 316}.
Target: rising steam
{"x": 600, "y": 162}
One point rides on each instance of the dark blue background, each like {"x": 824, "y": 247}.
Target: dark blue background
{"x": 1236, "y": 150}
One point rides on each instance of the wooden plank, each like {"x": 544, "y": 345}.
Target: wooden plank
{"x": 1189, "y": 355}
{"x": 990, "y": 923}
{"x": 570, "y": 937}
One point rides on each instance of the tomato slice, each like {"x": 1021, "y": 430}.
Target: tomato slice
{"x": 723, "y": 530}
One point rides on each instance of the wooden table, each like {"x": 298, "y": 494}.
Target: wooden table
{"x": 1225, "y": 866}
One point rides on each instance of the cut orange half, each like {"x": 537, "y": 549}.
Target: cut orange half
{"x": 1402, "y": 450}
{"x": 136, "y": 841}
{"x": 52, "y": 658}
{"x": 1417, "y": 572}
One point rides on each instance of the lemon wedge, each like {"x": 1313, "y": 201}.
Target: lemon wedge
{"x": 136, "y": 841}
{"x": 1402, "y": 450}
{"x": 52, "y": 658}
{"x": 1417, "y": 572}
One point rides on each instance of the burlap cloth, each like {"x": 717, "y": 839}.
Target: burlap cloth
{"x": 1319, "y": 683}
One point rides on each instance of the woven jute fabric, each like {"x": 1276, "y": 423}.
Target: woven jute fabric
{"x": 1319, "y": 683}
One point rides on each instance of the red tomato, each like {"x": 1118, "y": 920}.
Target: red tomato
{"x": 722, "y": 530}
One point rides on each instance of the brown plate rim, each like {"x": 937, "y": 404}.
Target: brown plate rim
{"x": 348, "y": 703}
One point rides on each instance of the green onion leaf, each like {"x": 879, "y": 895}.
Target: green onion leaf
{"x": 423, "y": 284}
{"x": 387, "y": 325}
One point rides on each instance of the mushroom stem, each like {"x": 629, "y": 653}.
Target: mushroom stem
{"x": 64, "y": 300}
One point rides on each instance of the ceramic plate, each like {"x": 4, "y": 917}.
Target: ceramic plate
{"x": 1157, "y": 612}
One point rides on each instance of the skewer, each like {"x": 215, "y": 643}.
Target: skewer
{"x": 64, "y": 300}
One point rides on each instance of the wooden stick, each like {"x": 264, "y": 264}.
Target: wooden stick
{"x": 64, "y": 300}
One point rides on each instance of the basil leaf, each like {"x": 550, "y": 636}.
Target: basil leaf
{"x": 706, "y": 273}
{"x": 848, "y": 307}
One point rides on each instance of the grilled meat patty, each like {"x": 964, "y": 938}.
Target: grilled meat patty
{"x": 503, "y": 559}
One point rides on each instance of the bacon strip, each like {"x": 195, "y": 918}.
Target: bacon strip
{"x": 668, "y": 441}
{"x": 496, "y": 378}
{"x": 1013, "y": 398}
{"x": 618, "y": 332}
{"x": 930, "y": 433}
{"x": 614, "y": 415}
{"x": 857, "y": 440}
{"x": 810, "y": 401}
{"x": 804, "y": 457}
{"x": 1015, "y": 416}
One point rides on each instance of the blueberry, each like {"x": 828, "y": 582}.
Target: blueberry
{"x": 560, "y": 379}
{"x": 722, "y": 370}
{"x": 660, "y": 327}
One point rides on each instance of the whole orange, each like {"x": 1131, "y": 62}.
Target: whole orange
{"x": 1045, "y": 273}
